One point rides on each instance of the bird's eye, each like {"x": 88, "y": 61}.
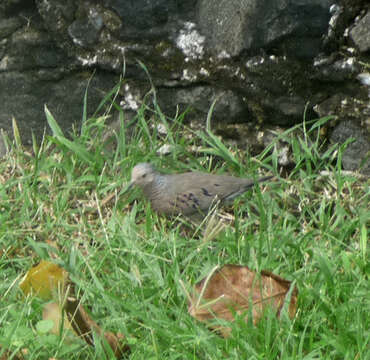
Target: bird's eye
{"x": 143, "y": 176}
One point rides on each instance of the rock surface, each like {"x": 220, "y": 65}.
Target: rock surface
{"x": 360, "y": 33}
{"x": 266, "y": 61}
{"x": 359, "y": 144}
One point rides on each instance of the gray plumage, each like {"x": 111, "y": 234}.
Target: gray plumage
{"x": 187, "y": 193}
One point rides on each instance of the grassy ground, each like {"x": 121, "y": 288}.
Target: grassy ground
{"x": 309, "y": 226}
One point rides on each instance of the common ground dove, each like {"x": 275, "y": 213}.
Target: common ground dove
{"x": 190, "y": 193}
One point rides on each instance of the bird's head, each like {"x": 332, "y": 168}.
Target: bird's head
{"x": 142, "y": 175}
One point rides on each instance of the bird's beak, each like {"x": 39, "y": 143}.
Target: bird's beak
{"x": 130, "y": 186}
{"x": 127, "y": 188}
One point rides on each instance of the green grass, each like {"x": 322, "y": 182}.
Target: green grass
{"x": 309, "y": 226}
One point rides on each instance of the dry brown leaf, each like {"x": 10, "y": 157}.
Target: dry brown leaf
{"x": 233, "y": 289}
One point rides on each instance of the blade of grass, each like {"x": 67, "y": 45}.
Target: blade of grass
{"x": 17, "y": 137}
{"x": 57, "y": 131}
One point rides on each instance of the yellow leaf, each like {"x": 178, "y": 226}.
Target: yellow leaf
{"x": 44, "y": 280}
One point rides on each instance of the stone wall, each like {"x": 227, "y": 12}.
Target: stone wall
{"x": 265, "y": 60}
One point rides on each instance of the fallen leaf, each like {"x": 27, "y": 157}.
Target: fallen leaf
{"x": 44, "y": 280}
{"x": 233, "y": 289}
{"x": 47, "y": 280}
{"x": 54, "y": 312}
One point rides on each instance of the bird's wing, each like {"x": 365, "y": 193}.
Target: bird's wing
{"x": 194, "y": 192}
